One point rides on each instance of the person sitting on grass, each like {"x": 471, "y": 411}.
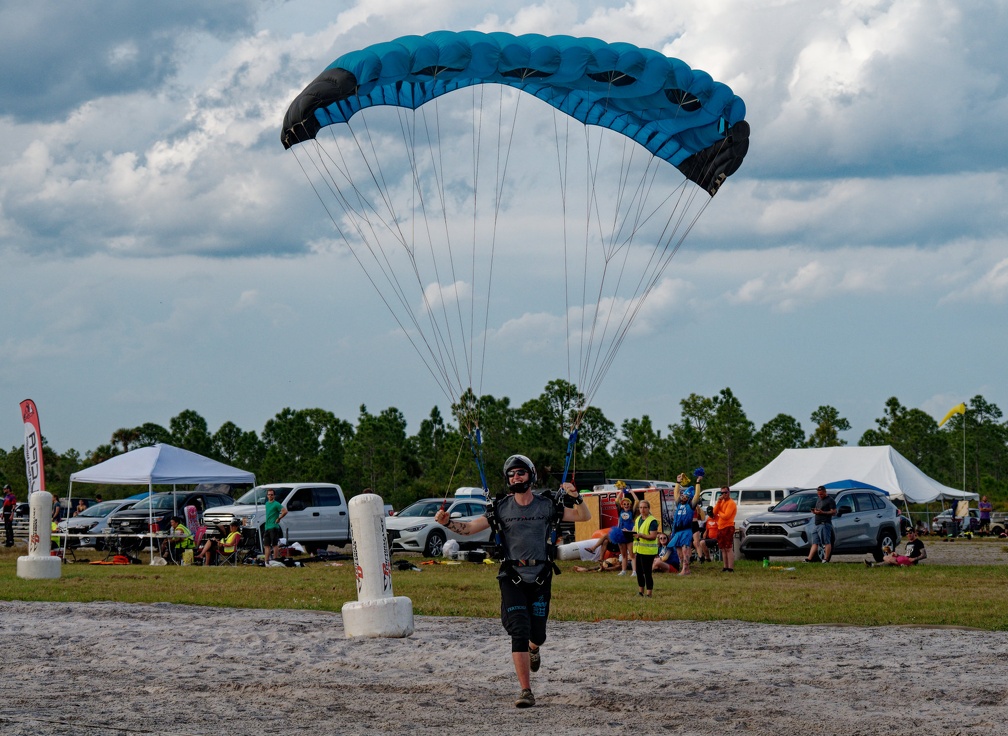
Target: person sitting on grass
{"x": 667, "y": 559}
{"x": 225, "y": 546}
{"x": 915, "y": 552}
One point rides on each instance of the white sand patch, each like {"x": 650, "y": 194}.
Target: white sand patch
{"x": 111, "y": 668}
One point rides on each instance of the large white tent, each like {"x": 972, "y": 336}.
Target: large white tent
{"x": 882, "y": 467}
{"x": 159, "y": 465}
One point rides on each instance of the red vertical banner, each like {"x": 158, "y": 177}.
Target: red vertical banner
{"x": 34, "y": 463}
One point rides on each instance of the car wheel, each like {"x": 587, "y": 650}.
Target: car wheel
{"x": 435, "y": 543}
{"x": 886, "y": 539}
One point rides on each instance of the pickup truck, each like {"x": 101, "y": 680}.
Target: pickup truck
{"x": 317, "y": 514}
{"x": 942, "y": 523}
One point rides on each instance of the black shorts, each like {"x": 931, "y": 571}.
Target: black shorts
{"x": 525, "y": 609}
{"x": 271, "y": 537}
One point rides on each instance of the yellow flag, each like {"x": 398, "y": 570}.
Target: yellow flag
{"x": 961, "y": 409}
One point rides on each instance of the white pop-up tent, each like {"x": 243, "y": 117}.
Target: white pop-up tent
{"x": 159, "y": 465}
{"x": 882, "y": 467}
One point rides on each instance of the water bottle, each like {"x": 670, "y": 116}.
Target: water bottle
{"x": 766, "y": 562}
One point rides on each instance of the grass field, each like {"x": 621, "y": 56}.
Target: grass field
{"x": 842, "y": 593}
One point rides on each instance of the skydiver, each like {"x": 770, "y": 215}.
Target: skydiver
{"x": 524, "y": 521}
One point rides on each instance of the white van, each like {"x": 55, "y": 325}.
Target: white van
{"x": 750, "y": 501}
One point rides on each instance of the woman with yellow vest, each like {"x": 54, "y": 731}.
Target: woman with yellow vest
{"x": 645, "y": 547}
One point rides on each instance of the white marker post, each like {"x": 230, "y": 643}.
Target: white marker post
{"x": 40, "y": 563}
{"x": 377, "y": 613}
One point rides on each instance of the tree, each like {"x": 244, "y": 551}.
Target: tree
{"x": 500, "y": 433}
{"x": 729, "y": 435}
{"x": 304, "y": 445}
{"x": 546, "y": 422}
{"x": 913, "y": 433}
{"x": 829, "y": 424}
{"x": 595, "y": 435}
{"x": 635, "y": 448}
{"x": 378, "y": 456}
{"x": 783, "y": 432}
{"x": 189, "y": 431}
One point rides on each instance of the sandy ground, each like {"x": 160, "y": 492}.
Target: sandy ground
{"x": 110, "y": 668}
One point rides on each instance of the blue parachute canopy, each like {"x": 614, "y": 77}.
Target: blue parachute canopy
{"x": 679, "y": 114}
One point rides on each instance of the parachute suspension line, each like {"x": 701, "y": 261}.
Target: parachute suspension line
{"x": 438, "y": 354}
{"x": 367, "y": 272}
{"x": 563, "y": 159}
{"x": 446, "y": 335}
{"x": 571, "y": 443}
{"x": 476, "y": 447}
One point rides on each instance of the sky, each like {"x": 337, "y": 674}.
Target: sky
{"x": 161, "y": 251}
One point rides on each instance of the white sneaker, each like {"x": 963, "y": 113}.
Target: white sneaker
{"x": 622, "y": 572}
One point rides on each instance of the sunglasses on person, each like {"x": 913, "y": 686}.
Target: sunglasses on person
{"x": 515, "y": 472}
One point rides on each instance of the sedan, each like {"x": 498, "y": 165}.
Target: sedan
{"x": 414, "y": 530}
{"x": 95, "y": 520}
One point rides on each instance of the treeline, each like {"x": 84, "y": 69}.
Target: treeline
{"x": 377, "y": 452}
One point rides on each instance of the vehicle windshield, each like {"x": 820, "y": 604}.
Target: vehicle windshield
{"x": 421, "y": 508}
{"x": 164, "y": 501}
{"x": 100, "y": 509}
{"x": 797, "y": 503}
{"x": 257, "y": 496}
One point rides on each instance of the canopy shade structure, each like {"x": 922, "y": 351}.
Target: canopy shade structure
{"x": 881, "y": 467}
{"x": 161, "y": 465}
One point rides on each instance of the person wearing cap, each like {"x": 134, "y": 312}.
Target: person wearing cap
{"x": 915, "y": 552}
{"x": 524, "y": 521}
{"x": 824, "y": 511}
{"x": 686, "y": 500}
{"x": 724, "y": 511}
{"x": 9, "y": 504}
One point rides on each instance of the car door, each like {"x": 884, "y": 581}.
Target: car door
{"x": 845, "y": 527}
{"x": 299, "y": 523}
{"x": 333, "y": 521}
{"x": 867, "y": 517}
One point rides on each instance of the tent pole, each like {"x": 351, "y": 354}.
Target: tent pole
{"x": 150, "y": 518}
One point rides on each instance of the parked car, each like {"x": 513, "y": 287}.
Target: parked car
{"x": 317, "y": 513}
{"x": 866, "y": 521}
{"x": 414, "y": 530}
{"x": 94, "y": 520}
{"x": 153, "y": 514}
{"x": 942, "y": 523}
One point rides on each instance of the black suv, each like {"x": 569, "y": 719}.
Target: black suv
{"x": 154, "y": 514}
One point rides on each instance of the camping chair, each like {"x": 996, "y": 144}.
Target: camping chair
{"x": 225, "y": 557}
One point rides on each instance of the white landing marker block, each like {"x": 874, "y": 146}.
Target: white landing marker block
{"x": 376, "y": 613}
{"x": 40, "y": 563}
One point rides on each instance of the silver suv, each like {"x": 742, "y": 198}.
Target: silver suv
{"x": 866, "y": 521}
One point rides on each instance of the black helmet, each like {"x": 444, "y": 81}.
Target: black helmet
{"x": 520, "y": 461}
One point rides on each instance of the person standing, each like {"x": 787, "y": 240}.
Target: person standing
{"x": 824, "y": 511}
{"x": 271, "y": 533}
{"x": 524, "y": 522}
{"x": 724, "y": 511}
{"x": 686, "y": 500}
{"x": 622, "y": 533}
{"x": 645, "y": 548}
{"x": 985, "y": 507}
{"x": 9, "y": 504}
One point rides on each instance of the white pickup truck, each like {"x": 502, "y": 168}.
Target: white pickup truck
{"x": 317, "y": 514}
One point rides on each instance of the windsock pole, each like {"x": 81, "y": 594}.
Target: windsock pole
{"x": 40, "y": 563}
{"x": 377, "y": 612}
